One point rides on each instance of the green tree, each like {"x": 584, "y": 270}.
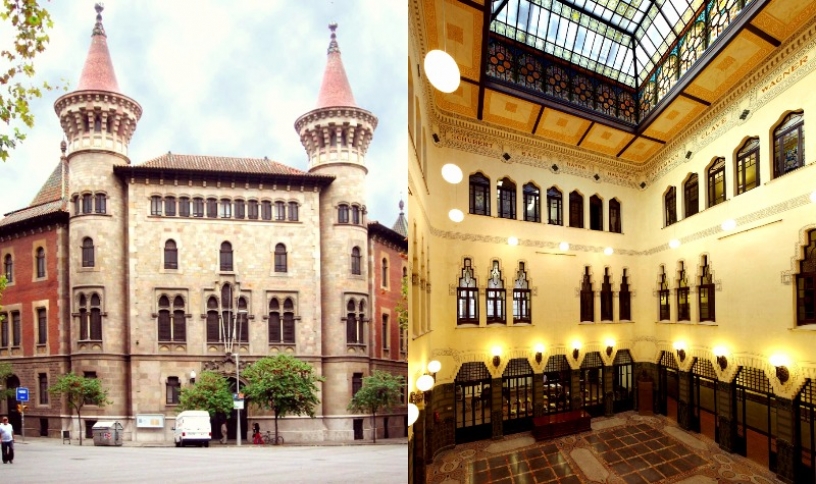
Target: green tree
{"x": 402, "y": 306}
{"x": 211, "y": 392}
{"x": 283, "y": 384}
{"x": 79, "y": 390}
{"x": 29, "y": 22}
{"x": 5, "y": 367}
{"x": 381, "y": 390}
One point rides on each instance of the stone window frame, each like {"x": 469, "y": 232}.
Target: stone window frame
{"x": 88, "y": 291}
{"x": 281, "y": 296}
{"x": 361, "y": 308}
{"x": 171, "y": 293}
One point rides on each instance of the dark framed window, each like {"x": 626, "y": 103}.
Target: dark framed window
{"x": 691, "y": 194}
{"x": 467, "y": 296}
{"x": 170, "y": 254}
{"x": 42, "y": 326}
{"x": 615, "y": 216}
{"x": 384, "y": 272}
{"x": 748, "y": 166}
{"x": 496, "y": 296}
{"x": 173, "y": 390}
{"x": 625, "y": 298}
{"x": 226, "y": 208}
{"x": 576, "y": 210}
{"x": 664, "y": 308}
{"x": 355, "y": 215}
{"x": 354, "y": 323}
{"x": 8, "y": 268}
{"x": 281, "y": 329}
{"x": 587, "y": 298}
{"x": 101, "y": 200}
{"x": 170, "y": 206}
{"x": 532, "y": 203}
{"x": 96, "y": 318}
{"x": 683, "y": 305}
{"x": 83, "y": 317}
{"x": 184, "y": 207}
{"x": 42, "y": 384}
{"x": 522, "y": 311}
{"x": 806, "y": 283}
{"x": 155, "y": 205}
{"x": 670, "y": 206}
{"x": 16, "y": 329}
{"x": 293, "y": 211}
{"x": 87, "y": 203}
{"x": 356, "y": 261}
{"x": 213, "y": 329}
{"x": 789, "y": 144}
{"x": 275, "y": 321}
{"x": 179, "y": 320}
{"x": 266, "y": 210}
{"x": 89, "y": 374}
{"x": 385, "y": 332}
{"x": 479, "y": 194}
{"x": 87, "y": 252}
{"x": 595, "y": 213}
{"x": 77, "y": 205}
{"x": 506, "y": 198}
{"x": 716, "y": 182}
{"x": 554, "y": 207}
{"x": 4, "y": 331}
{"x": 240, "y": 209}
{"x": 342, "y": 213}
{"x": 706, "y": 292}
{"x": 40, "y": 261}
{"x": 225, "y": 256}
{"x": 280, "y": 258}
{"x": 252, "y": 210}
{"x": 288, "y": 321}
{"x": 165, "y": 326}
{"x": 606, "y": 296}
{"x": 90, "y": 318}
{"x": 212, "y": 208}
{"x": 198, "y": 207}
{"x": 242, "y": 321}
{"x": 280, "y": 211}
{"x": 356, "y": 383}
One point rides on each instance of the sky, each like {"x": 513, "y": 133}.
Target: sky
{"x": 226, "y": 78}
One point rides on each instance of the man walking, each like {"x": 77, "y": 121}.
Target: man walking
{"x": 224, "y": 432}
{"x": 7, "y": 441}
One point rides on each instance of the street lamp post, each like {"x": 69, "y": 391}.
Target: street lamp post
{"x": 230, "y": 341}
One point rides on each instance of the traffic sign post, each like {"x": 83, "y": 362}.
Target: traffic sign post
{"x": 22, "y": 394}
{"x": 22, "y": 397}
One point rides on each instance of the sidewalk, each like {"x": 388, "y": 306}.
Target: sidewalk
{"x": 214, "y": 443}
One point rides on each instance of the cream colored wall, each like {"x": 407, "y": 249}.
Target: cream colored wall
{"x": 754, "y": 297}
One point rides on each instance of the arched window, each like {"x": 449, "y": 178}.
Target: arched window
{"x": 87, "y": 252}
{"x": 226, "y": 312}
{"x": 806, "y": 283}
{"x": 625, "y": 298}
{"x": 691, "y": 193}
{"x": 606, "y": 296}
{"x": 748, "y": 166}
{"x": 506, "y": 198}
{"x": 716, "y": 182}
{"x": 213, "y": 331}
{"x": 521, "y": 297}
{"x": 356, "y": 261}
{"x": 83, "y": 317}
{"x": 467, "y": 296}
{"x": 587, "y": 298}
{"x": 280, "y": 211}
{"x": 96, "y": 318}
{"x": 293, "y": 211}
{"x": 496, "y": 296}
{"x": 100, "y": 203}
{"x": 87, "y": 202}
{"x": 576, "y": 210}
{"x": 212, "y": 208}
{"x": 252, "y": 210}
{"x": 355, "y": 215}
{"x": 170, "y": 254}
{"x": 242, "y": 321}
{"x": 170, "y": 206}
{"x": 165, "y": 328}
{"x": 683, "y": 305}
{"x": 384, "y": 275}
{"x": 479, "y": 194}
{"x": 198, "y": 207}
{"x": 351, "y": 323}
{"x": 155, "y": 205}
{"x": 706, "y": 292}
{"x": 532, "y": 203}
{"x": 670, "y": 206}
{"x": 184, "y": 207}
{"x": 595, "y": 213}
{"x": 40, "y": 258}
{"x": 789, "y": 144}
{"x": 342, "y": 213}
{"x": 280, "y": 258}
{"x": 8, "y": 265}
{"x": 226, "y": 208}
{"x": 663, "y": 296}
{"x": 179, "y": 320}
{"x": 226, "y": 256}
{"x": 240, "y": 209}
{"x": 554, "y": 206}
{"x": 274, "y": 321}
{"x": 288, "y": 321}
{"x": 614, "y": 216}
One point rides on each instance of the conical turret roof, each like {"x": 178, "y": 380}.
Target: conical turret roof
{"x": 98, "y": 74}
{"x": 401, "y": 225}
{"x": 335, "y": 90}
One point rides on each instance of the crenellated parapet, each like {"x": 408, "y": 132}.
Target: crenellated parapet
{"x": 336, "y": 135}
{"x": 97, "y": 120}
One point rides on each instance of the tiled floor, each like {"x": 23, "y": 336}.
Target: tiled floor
{"x": 633, "y": 450}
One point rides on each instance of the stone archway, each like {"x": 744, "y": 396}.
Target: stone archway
{"x": 15, "y": 419}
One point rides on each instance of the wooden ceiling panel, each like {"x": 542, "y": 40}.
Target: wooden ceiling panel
{"x": 463, "y": 26}
{"x": 744, "y": 53}
{"x": 675, "y": 117}
{"x": 641, "y": 150}
{"x": 464, "y": 101}
{"x": 783, "y": 17}
{"x": 606, "y": 140}
{"x": 560, "y": 126}
{"x": 509, "y": 111}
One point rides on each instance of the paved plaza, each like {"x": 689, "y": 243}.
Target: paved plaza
{"x": 43, "y": 461}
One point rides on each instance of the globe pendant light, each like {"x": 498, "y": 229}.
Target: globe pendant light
{"x": 442, "y": 71}
{"x": 456, "y": 215}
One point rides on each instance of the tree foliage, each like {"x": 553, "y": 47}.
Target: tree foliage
{"x": 211, "y": 392}
{"x": 380, "y": 391}
{"x": 29, "y": 22}
{"x": 79, "y": 391}
{"x": 284, "y": 384}
{"x": 402, "y": 306}
{"x": 5, "y": 372}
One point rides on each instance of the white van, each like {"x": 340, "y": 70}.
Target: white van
{"x": 192, "y": 427}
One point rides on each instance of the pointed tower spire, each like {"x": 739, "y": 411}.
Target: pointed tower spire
{"x": 335, "y": 90}
{"x": 401, "y": 225}
{"x": 98, "y": 74}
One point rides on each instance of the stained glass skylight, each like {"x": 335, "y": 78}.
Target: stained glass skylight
{"x": 620, "y": 39}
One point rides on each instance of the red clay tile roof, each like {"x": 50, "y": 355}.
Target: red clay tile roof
{"x": 335, "y": 90}
{"x": 97, "y": 74}
{"x": 259, "y": 166}
{"x": 33, "y": 211}
{"x": 52, "y": 188}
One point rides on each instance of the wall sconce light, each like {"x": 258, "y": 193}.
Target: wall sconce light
{"x": 610, "y": 345}
{"x": 680, "y": 347}
{"x": 781, "y": 362}
{"x": 576, "y": 349}
{"x": 719, "y": 353}
{"x": 434, "y": 366}
{"x": 423, "y": 384}
{"x": 413, "y": 414}
{"x": 192, "y": 377}
{"x": 539, "y": 349}
{"x": 496, "y": 358}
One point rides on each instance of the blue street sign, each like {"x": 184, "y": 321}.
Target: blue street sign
{"x": 22, "y": 394}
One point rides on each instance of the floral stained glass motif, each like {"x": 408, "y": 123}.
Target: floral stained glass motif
{"x": 557, "y": 83}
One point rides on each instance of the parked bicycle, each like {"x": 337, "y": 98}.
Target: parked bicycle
{"x": 270, "y": 439}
